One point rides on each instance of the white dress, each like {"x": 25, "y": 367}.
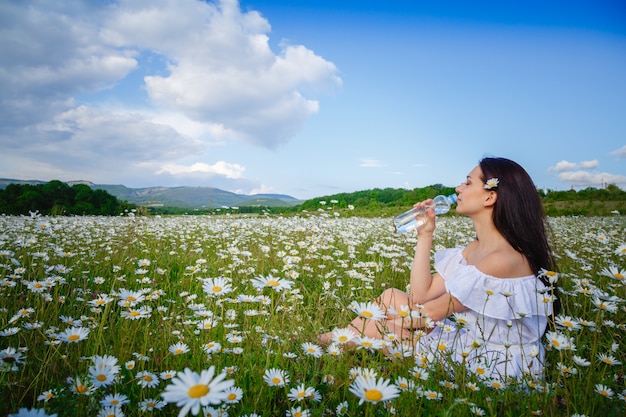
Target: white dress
{"x": 499, "y": 335}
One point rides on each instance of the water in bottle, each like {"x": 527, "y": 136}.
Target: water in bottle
{"x": 415, "y": 217}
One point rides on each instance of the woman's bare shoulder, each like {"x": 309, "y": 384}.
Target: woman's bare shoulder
{"x": 505, "y": 263}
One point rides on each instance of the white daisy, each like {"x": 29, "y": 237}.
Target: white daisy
{"x": 277, "y": 284}
{"x": 103, "y": 371}
{"x": 491, "y": 183}
{"x": 214, "y": 287}
{"x": 312, "y": 349}
{"x": 178, "y": 348}
{"x": 275, "y": 377}
{"x": 343, "y": 336}
{"x": 373, "y": 390}
{"x": 368, "y": 310}
{"x": 190, "y": 390}
{"x": 73, "y": 334}
{"x": 147, "y": 379}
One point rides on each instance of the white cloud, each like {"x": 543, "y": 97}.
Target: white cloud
{"x": 50, "y": 54}
{"x": 619, "y": 153}
{"x": 262, "y": 189}
{"x": 201, "y": 169}
{"x": 563, "y": 166}
{"x": 221, "y": 81}
{"x": 221, "y": 69}
{"x": 569, "y": 166}
{"x": 583, "y": 174}
{"x": 591, "y": 179}
{"x": 370, "y": 163}
{"x": 594, "y": 163}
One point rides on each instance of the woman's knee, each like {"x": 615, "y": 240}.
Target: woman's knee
{"x": 393, "y": 297}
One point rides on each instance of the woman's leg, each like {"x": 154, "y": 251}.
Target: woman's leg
{"x": 391, "y": 297}
{"x": 395, "y": 300}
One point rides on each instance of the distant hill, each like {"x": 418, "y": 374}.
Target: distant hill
{"x": 183, "y": 197}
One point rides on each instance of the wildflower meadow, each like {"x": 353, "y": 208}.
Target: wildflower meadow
{"x": 220, "y": 316}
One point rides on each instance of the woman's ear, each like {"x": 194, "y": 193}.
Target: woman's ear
{"x": 491, "y": 199}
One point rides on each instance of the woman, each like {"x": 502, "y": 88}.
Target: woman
{"x": 491, "y": 299}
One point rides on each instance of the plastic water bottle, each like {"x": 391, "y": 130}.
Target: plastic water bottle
{"x": 414, "y": 218}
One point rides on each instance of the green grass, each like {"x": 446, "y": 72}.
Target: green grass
{"x": 332, "y": 260}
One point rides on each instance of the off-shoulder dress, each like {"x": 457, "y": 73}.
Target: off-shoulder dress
{"x": 499, "y": 335}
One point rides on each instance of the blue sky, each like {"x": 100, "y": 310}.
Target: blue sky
{"x": 311, "y": 98}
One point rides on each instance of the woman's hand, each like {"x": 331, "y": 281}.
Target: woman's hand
{"x": 428, "y": 228}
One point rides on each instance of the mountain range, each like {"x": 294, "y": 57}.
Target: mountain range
{"x": 183, "y": 197}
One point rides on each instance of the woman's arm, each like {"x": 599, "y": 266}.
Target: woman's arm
{"x": 421, "y": 277}
{"x": 442, "y": 306}
{"x": 422, "y": 289}
{"x": 436, "y": 309}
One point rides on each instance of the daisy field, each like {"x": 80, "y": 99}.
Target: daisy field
{"x": 220, "y": 316}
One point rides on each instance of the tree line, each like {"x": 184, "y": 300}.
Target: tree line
{"x": 389, "y": 201}
{"x": 58, "y": 198}
{"x": 381, "y": 202}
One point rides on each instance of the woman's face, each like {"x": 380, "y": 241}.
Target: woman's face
{"x": 471, "y": 194}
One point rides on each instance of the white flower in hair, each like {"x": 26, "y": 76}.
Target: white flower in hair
{"x": 491, "y": 183}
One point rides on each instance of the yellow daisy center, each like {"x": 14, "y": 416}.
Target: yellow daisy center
{"x": 273, "y": 283}
{"x": 147, "y": 378}
{"x": 342, "y": 339}
{"x": 73, "y": 337}
{"x": 232, "y": 396}
{"x": 131, "y": 298}
{"x": 81, "y": 389}
{"x": 101, "y": 377}
{"x": 276, "y": 380}
{"x": 618, "y": 275}
{"x": 198, "y": 391}
{"x": 367, "y": 314}
{"x": 373, "y": 395}
{"x": 216, "y": 288}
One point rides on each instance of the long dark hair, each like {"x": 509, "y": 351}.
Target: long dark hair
{"x": 518, "y": 213}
